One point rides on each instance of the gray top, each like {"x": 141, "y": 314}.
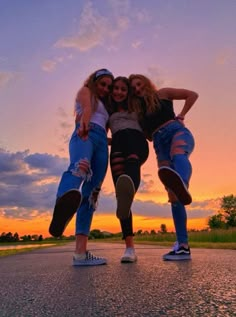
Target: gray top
{"x": 123, "y": 120}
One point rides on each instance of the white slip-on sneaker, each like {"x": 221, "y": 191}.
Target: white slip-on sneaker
{"x": 129, "y": 256}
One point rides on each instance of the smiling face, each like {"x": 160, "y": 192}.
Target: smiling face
{"x": 138, "y": 87}
{"x": 119, "y": 91}
{"x": 103, "y": 86}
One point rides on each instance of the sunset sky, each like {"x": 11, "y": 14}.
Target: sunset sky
{"x": 49, "y": 47}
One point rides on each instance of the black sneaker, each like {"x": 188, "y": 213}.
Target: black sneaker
{"x": 173, "y": 181}
{"x": 178, "y": 253}
{"x": 125, "y": 192}
{"x": 64, "y": 210}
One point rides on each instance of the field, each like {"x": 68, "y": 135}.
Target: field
{"x": 215, "y": 239}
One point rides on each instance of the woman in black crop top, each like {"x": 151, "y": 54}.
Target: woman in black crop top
{"x": 173, "y": 144}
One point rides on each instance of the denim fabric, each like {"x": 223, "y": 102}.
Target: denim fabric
{"x": 95, "y": 151}
{"x": 165, "y": 142}
{"x": 180, "y": 221}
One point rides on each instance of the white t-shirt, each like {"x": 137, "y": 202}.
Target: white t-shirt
{"x": 100, "y": 116}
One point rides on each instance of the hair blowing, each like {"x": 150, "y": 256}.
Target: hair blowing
{"x": 150, "y": 97}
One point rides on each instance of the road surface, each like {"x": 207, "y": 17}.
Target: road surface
{"x": 44, "y": 283}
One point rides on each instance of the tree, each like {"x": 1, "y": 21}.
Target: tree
{"x": 96, "y": 234}
{"x": 163, "y": 228}
{"x": 226, "y": 216}
{"x": 228, "y": 207}
{"x": 217, "y": 221}
{"x": 16, "y": 237}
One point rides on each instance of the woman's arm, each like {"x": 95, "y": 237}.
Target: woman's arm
{"x": 84, "y": 99}
{"x": 179, "y": 94}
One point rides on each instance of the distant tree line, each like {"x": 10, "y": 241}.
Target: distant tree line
{"x": 9, "y": 237}
{"x": 224, "y": 219}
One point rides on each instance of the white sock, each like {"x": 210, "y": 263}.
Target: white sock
{"x": 79, "y": 256}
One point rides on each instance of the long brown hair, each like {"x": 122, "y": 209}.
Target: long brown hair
{"x": 150, "y": 97}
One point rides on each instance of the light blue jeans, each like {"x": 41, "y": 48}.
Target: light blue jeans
{"x": 173, "y": 145}
{"x": 92, "y": 154}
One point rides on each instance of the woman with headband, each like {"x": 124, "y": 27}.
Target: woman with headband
{"x": 88, "y": 149}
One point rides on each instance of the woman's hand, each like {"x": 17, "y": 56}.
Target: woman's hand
{"x": 180, "y": 118}
{"x": 83, "y": 131}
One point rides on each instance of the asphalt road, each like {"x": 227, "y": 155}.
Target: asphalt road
{"x": 44, "y": 283}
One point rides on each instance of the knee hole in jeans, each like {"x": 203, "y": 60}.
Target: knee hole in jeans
{"x": 93, "y": 198}
{"x": 82, "y": 169}
{"x": 117, "y": 163}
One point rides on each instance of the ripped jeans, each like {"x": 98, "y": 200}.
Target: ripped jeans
{"x": 173, "y": 145}
{"x": 88, "y": 163}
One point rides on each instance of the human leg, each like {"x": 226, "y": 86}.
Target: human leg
{"x": 174, "y": 144}
{"x": 124, "y": 185}
{"x": 68, "y": 194}
{"x": 164, "y": 151}
{"x": 90, "y": 193}
{"x": 129, "y": 255}
{"x": 181, "y": 250}
{"x": 182, "y": 146}
{"x": 129, "y": 151}
{"x": 137, "y": 150}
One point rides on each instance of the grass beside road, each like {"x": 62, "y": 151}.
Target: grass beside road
{"x": 38, "y": 245}
{"x": 164, "y": 244}
{"x": 214, "y": 239}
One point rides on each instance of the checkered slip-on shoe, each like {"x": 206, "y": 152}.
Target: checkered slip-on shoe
{"x": 88, "y": 260}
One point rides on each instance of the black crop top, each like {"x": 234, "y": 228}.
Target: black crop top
{"x": 153, "y": 120}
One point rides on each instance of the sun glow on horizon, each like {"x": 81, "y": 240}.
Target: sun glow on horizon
{"x": 103, "y": 222}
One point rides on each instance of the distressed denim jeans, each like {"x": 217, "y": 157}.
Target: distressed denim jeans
{"x": 92, "y": 152}
{"x": 173, "y": 145}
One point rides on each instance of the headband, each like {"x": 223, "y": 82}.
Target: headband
{"x": 102, "y": 72}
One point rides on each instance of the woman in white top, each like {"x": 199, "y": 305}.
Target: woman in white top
{"x": 80, "y": 185}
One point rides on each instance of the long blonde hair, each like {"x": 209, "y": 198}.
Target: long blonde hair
{"x": 91, "y": 84}
{"x": 150, "y": 97}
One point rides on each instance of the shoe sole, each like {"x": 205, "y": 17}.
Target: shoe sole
{"x": 89, "y": 264}
{"x": 177, "y": 257}
{"x": 125, "y": 192}
{"x": 173, "y": 181}
{"x": 65, "y": 208}
{"x": 128, "y": 260}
